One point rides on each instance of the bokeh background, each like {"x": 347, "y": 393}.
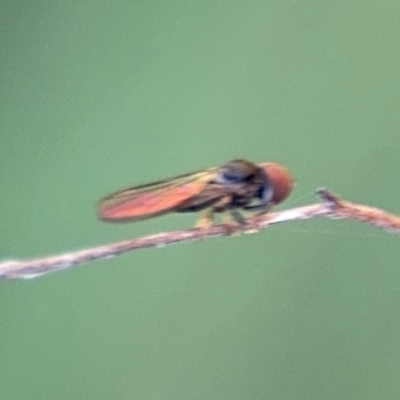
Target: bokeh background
{"x": 97, "y": 96}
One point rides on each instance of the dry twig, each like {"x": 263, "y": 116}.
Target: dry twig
{"x": 330, "y": 206}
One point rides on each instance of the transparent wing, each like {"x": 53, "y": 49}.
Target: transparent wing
{"x": 154, "y": 199}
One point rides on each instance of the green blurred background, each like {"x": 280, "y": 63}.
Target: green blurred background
{"x": 97, "y": 96}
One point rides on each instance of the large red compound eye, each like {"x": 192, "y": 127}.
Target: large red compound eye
{"x": 281, "y": 180}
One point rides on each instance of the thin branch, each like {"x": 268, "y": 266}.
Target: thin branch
{"x": 331, "y": 206}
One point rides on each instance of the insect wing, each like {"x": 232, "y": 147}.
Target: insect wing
{"x": 151, "y": 200}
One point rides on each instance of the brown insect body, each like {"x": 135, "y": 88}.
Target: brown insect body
{"x": 235, "y": 186}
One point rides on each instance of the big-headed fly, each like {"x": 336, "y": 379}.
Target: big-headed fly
{"x": 231, "y": 188}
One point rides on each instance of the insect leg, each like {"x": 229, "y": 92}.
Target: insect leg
{"x": 205, "y": 219}
{"x": 237, "y": 217}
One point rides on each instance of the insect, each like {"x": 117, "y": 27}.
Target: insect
{"x": 234, "y": 187}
